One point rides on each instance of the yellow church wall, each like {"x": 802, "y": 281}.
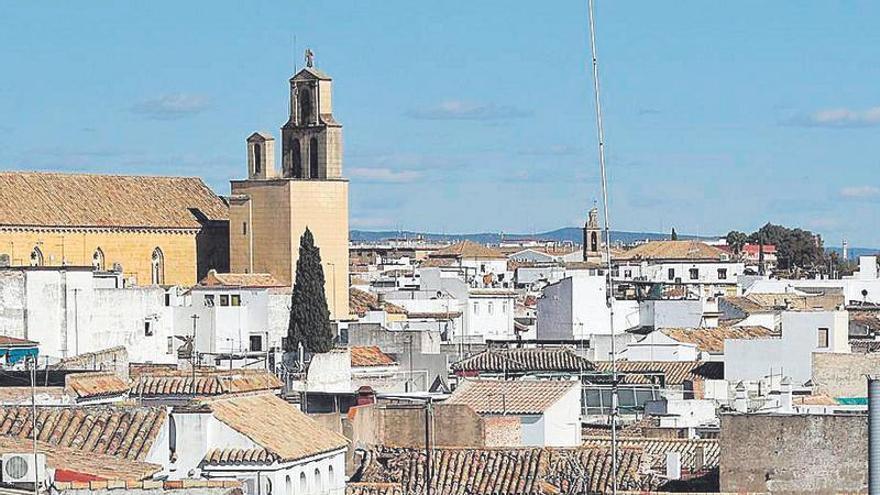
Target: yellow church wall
{"x": 268, "y": 215}
{"x": 133, "y": 249}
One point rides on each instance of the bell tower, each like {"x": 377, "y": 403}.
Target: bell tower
{"x": 592, "y": 236}
{"x": 311, "y": 140}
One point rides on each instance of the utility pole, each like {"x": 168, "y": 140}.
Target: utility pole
{"x": 34, "y": 431}
{"x": 193, "y": 356}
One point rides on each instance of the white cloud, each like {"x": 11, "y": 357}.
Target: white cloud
{"x": 171, "y": 106}
{"x": 840, "y": 118}
{"x": 463, "y": 110}
{"x": 860, "y": 192}
{"x": 384, "y": 175}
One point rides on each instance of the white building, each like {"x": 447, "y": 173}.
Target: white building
{"x": 803, "y": 333}
{"x": 541, "y": 413}
{"x": 576, "y": 308}
{"x": 863, "y": 286}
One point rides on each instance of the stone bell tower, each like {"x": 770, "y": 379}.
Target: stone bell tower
{"x": 311, "y": 140}
{"x": 592, "y": 236}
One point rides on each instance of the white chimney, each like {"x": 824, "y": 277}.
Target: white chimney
{"x": 785, "y": 396}
{"x": 673, "y": 465}
{"x": 741, "y": 400}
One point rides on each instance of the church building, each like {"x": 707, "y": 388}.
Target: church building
{"x": 271, "y": 209}
{"x": 154, "y": 230}
{"x": 592, "y": 237}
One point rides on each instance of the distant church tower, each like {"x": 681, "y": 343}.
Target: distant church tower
{"x": 592, "y": 237}
{"x": 270, "y": 210}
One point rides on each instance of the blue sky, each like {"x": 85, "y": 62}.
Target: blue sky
{"x": 475, "y": 116}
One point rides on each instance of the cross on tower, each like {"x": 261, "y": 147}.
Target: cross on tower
{"x": 310, "y": 58}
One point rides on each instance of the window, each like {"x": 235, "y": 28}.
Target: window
{"x": 722, "y": 274}
{"x": 671, "y": 274}
{"x": 243, "y": 228}
{"x": 170, "y": 349}
{"x": 288, "y": 485}
{"x": 157, "y": 264}
{"x": 319, "y": 485}
{"x": 313, "y": 158}
{"x": 235, "y": 300}
{"x": 504, "y": 308}
{"x": 224, "y": 300}
{"x": 209, "y": 300}
{"x": 482, "y": 268}
{"x": 823, "y": 338}
{"x": 256, "y": 342}
{"x": 167, "y": 299}
{"x": 172, "y": 435}
{"x": 296, "y": 158}
{"x": 331, "y": 480}
{"x": 476, "y": 308}
{"x": 303, "y": 483}
{"x": 694, "y": 273}
{"x": 36, "y": 257}
{"x": 305, "y": 106}
{"x": 257, "y": 159}
{"x": 148, "y": 328}
{"x": 594, "y": 242}
{"x": 627, "y": 274}
{"x": 98, "y": 260}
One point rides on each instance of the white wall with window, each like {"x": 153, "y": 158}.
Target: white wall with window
{"x": 490, "y": 315}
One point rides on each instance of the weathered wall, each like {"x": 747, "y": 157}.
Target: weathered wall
{"x": 12, "y": 303}
{"x": 843, "y": 375}
{"x": 816, "y": 454}
{"x": 503, "y": 431}
{"x": 404, "y": 426}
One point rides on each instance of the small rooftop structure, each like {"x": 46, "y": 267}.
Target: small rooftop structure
{"x": 468, "y": 250}
{"x": 369, "y": 356}
{"x": 711, "y": 340}
{"x": 673, "y": 251}
{"x": 511, "y": 397}
{"x": 524, "y": 360}
{"x": 248, "y": 280}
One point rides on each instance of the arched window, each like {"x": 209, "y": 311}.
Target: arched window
{"x": 297, "y": 159}
{"x": 319, "y": 485}
{"x": 313, "y": 158}
{"x": 98, "y": 260}
{"x": 36, "y": 257}
{"x": 594, "y": 242}
{"x": 331, "y": 480}
{"x": 172, "y": 436}
{"x": 303, "y": 483}
{"x": 288, "y": 485}
{"x": 257, "y": 158}
{"x": 305, "y": 107}
{"x": 157, "y": 267}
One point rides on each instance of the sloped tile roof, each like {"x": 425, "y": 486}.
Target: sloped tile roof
{"x": 769, "y": 302}
{"x": 673, "y": 250}
{"x": 123, "y": 432}
{"x": 510, "y": 396}
{"x": 374, "y": 489}
{"x": 655, "y": 450}
{"x": 6, "y": 341}
{"x": 501, "y": 471}
{"x": 87, "y": 200}
{"x": 217, "y": 457}
{"x": 105, "y": 467}
{"x": 361, "y": 301}
{"x": 275, "y": 425}
{"x": 369, "y": 356}
{"x": 98, "y": 384}
{"x": 205, "y": 384}
{"x": 214, "y": 279}
{"x": 712, "y": 339}
{"x": 468, "y": 249}
{"x": 676, "y": 372}
{"x": 525, "y": 360}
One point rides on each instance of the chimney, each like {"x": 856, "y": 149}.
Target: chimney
{"x": 366, "y": 395}
{"x": 741, "y": 400}
{"x": 785, "y": 399}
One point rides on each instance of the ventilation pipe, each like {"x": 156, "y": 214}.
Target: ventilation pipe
{"x": 785, "y": 399}
{"x": 874, "y": 435}
{"x": 741, "y": 400}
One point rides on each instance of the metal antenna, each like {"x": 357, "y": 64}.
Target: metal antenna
{"x": 610, "y": 294}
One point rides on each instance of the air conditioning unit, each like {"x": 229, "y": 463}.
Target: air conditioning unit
{"x": 23, "y": 468}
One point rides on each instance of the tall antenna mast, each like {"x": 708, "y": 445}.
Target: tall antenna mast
{"x": 610, "y": 281}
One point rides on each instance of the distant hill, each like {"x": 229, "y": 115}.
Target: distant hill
{"x": 570, "y": 234}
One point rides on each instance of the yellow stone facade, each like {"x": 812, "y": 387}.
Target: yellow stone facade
{"x": 131, "y": 248}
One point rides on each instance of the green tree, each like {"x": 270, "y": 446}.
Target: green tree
{"x": 736, "y": 240}
{"x": 674, "y": 235}
{"x": 795, "y": 248}
{"x": 309, "y": 316}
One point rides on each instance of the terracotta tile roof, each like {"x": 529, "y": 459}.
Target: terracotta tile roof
{"x": 361, "y": 301}
{"x": 525, "y": 360}
{"x": 206, "y": 384}
{"x": 675, "y": 372}
{"x": 434, "y": 315}
{"x": 275, "y": 425}
{"x": 869, "y": 319}
{"x": 214, "y": 279}
{"x": 827, "y": 302}
{"x": 123, "y": 432}
{"x": 654, "y": 450}
{"x": 233, "y": 455}
{"x": 814, "y": 400}
{"x": 15, "y": 396}
{"x": 745, "y": 304}
{"x": 86, "y": 200}
{"x": 468, "y": 249}
{"x": 712, "y": 339}
{"x": 98, "y": 384}
{"x": 510, "y": 396}
{"x": 633, "y": 429}
{"x": 369, "y": 356}
{"x": 501, "y": 471}
{"x": 673, "y": 250}
{"x": 102, "y": 466}
{"x": 374, "y": 489}
{"x": 6, "y": 341}
{"x": 436, "y": 262}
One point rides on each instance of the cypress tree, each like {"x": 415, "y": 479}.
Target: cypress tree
{"x": 674, "y": 235}
{"x": 309, "y": 316}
